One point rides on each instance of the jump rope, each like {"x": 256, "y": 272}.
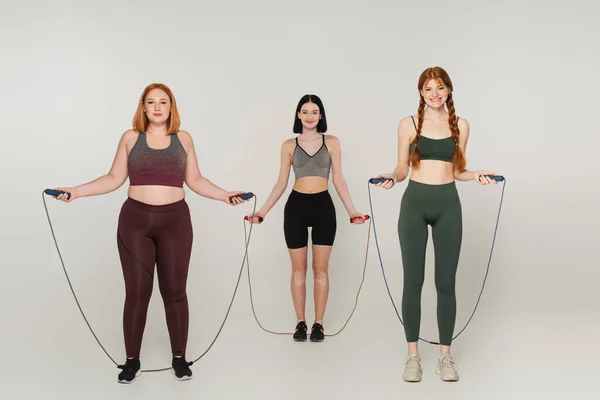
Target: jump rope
{"x": 244, "y": 196}
{"x": 247, "y": 236}
{"x": 497, "y": 178}
{"x": 366, "y": 217}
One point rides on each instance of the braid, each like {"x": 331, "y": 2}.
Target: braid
{"x": 415, "y": 157}
{"x": 458, "y": 159}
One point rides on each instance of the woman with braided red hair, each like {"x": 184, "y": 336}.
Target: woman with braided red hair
{"x": 433, "y": 144}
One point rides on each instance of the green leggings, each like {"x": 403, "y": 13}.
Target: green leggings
{"x": 438, "y": 206}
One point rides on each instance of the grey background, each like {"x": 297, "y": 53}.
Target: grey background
{"x": 525, "y": 78}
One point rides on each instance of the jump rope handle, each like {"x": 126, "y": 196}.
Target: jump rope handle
{"x": 246, "y": 196}
{"x": 54, "y": 193}
{"x": 498, "y": 178}
{"x": 260, "y": 219}
{"x": 378, "y": 180}
{"x": 243, "y": 196}
{"x": 366, "y": 217}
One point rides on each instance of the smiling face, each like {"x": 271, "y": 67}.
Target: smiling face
{"x": 157, "y": 106}
{"x": 435, "y": 93}
{"x": 309, "y": 115}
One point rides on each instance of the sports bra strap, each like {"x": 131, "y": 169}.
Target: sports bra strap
{"x": 415, "y": 125}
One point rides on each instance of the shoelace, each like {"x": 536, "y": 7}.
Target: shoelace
{"x": 182, "y": 363}
{"x": 413, "y": 362}
{"x": 448, "y": 362}
{"x": 129, "y": 366}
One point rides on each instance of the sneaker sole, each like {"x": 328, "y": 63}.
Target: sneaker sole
{"x": 185, "y": 378}
{"x": 316, "y": 340}
{"x": 299, "y": 340}
{"x": 443, "y": 377}
{"x": 131, "y": 381}
{"x": 413, "y": 380}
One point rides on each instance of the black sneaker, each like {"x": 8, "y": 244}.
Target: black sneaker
{"x": 181, "y": 368}
{"x": 131, "y": 370}
{"x": 317, "y": 333}
{"x": 300, "y": 333}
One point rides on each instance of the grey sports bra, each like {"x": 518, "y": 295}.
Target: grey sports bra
{"x": 318, "y": 164}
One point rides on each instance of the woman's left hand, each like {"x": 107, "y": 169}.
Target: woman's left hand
{"x": 481, "y": 178}
{"x": 360, "y": 217}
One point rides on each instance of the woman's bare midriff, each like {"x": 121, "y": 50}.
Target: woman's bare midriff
{"x": 156, "y": 195}
{"x": 311, "y": 184}
{"x": 433, "y": 172}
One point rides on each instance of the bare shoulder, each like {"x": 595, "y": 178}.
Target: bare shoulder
{"x": 288, "y": 144}
{"x": 331, "y": 140}
{"x": 406, "y": 129}
{"x": 463, "y": 123}
{"x": 287, "y": 148}
{"x": 463, "y": 127}
{"x": 184, "y": 136}
{"x": 186, "y": 140}
{"x": 406, "y": 123}
{"x": 129, "y": 135}
{"x": 128, "y": 139}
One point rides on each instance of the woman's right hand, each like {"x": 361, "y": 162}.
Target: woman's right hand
{"x": 255, "y": 218}
{"x": 63, "y": 197}
{"x": 389, "y": 183}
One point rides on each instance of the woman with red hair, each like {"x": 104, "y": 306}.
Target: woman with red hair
{"x": 433, "y": 144}
{"x": 154, "y": 223}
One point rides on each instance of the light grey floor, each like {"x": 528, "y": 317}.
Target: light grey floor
{"x": 506, "y": 353}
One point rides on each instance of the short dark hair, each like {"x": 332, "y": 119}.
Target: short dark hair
{"x": 310, "y": 98}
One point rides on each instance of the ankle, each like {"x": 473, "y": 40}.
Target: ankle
{"x": 413, "y": 348}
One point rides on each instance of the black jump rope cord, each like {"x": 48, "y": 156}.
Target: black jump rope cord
{"x": 484, "y": 279}
{"x": 242, "y": 268}
{"x": 88, "y": 324}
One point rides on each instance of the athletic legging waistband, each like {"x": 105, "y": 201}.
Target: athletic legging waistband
{"x": 156, "y": 208}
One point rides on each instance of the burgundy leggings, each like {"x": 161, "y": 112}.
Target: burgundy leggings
{"x": 149, "y": 235}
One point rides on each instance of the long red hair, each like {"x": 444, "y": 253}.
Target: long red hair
{"x": 459, "y": 160}
{"x": 140, "y": 120}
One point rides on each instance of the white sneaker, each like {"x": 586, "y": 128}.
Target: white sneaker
{"x": 446, "y": 368}
{"x": 412, "y": 369}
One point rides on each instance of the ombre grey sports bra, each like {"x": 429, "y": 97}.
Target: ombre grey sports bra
{"x": 318, "y": 164}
